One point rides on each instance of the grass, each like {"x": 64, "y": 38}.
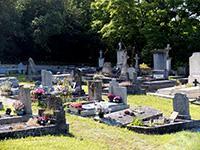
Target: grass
{"x": 87, "y": 134}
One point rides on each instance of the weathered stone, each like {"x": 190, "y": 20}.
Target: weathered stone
{"x": 54, "y": 102}
{"x": 115, "y": 89}
{"x": 107, "y": 69}
{"x": 181, "y": 105}
{"x": 47, "y": 78}
{"x": 132, "y": 74}
{"x": 95, "y": 90}
{"x": 24, "y": 97}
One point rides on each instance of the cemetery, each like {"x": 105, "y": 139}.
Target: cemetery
{"x": 93, "y": 75}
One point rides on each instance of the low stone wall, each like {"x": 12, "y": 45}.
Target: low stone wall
{"x": 36, "y": 131}
{"x": 168, "y": 128}
{"x": 14, "y": 119}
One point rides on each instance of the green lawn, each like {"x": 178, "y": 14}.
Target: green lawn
{"x": 90, "y": 135}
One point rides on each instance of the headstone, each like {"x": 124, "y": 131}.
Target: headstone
{"x": 181, "y": 105}
{"x": 162, "y": 63}
{"x": 47, "y": 78}
{"x": 78, "y": 82}
{"x": 101, "y": 59}
{"x": 31, "y": 67}
{"x": 21, "y": 68}
{"x": 194, "y": 64}
{"x": 182, "y": 71}
{"x": 115, "y": 89}
{"x": 95, "y": 90}
{"x": 124, "y": 75}
{"x": 54, "y": 102}
{"x": 107, "y": 69}
{"x": 113, "y": 83}
{"x": 1, "y": 106}
{"x": 24, "y": 97}
{"x": 132, "y": 74}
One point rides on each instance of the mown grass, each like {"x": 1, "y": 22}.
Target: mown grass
{"x": 86, "y": 134}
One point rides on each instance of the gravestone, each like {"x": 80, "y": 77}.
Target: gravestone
{"x": 47, "y": 78}
{"x": 162, "y": 63}
{"x": 132, "y": 74}
{"x": 181, "y": 105}
{"x": 95, "y": 90}
{"x": 1, "y": 106}
{"x": 24, "y": 97}
{"x": 78, "y": 82}
{"x": 21, "y": 68}
{"x": 113, "y": 83}
{"x": 194, "y": 64}
{"x": 115, "y": 89}
{"x": 107, "y": 69}
{"x": 31, "y": 67}
{"x": 124, "y": 67}
{"x": 54, "y": 103}
{"x": 101, "y": 59}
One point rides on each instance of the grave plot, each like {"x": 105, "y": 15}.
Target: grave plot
{"x": 117, "y": 100}
{"x": 67, "y": 86}
{"x": 150, "y": 121}
{"x": 24, "y": 124}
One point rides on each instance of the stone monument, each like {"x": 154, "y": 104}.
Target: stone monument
{"x": 101, "y": 59}
{"x": 194, "y": 64}
{"x": 162, "y": 63}
{"x": 47, "y": 78}
{"x": 107, "y": 69}
{"x": 124, "y": 68}
{"x": 115, "y": 89}
{"x": 24, "y": 97}
{"x": 95, "y": 90}
{"x": 181, "y": 105}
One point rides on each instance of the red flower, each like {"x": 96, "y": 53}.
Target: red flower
{"x": 111, "y": 97}
{"x": 76, "y": 105}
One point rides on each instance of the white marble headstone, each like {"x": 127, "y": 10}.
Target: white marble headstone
{"x": 194, "y": 63}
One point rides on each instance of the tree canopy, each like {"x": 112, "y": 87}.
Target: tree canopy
{"x": 59, "y": 30}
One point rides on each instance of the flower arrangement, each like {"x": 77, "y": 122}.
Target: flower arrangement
{"x": 76, "y": 105}
{"x": 5, "y": 88}
{"x": 38, "y": 93}
{"x": 19, "y": 108}
{"x": 114, "y": 98}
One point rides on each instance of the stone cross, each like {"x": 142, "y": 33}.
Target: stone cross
{"x": 100, "y": 54}
{"x": 137, "y": 62}
{"x": 120, "y": 46}
{"x": 101, "y": 59}
{"x": 24, "y": 97}
{"x": 181, "y": 105}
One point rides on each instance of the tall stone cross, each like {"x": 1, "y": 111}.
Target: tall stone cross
{"x": 137, "y": 62}
{"x": 120, "y": 46}
{"x": 101, "y": 54}
{"x": 168, "y": 48}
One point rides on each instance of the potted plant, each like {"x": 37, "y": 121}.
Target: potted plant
{"x": 19, "y": 108}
